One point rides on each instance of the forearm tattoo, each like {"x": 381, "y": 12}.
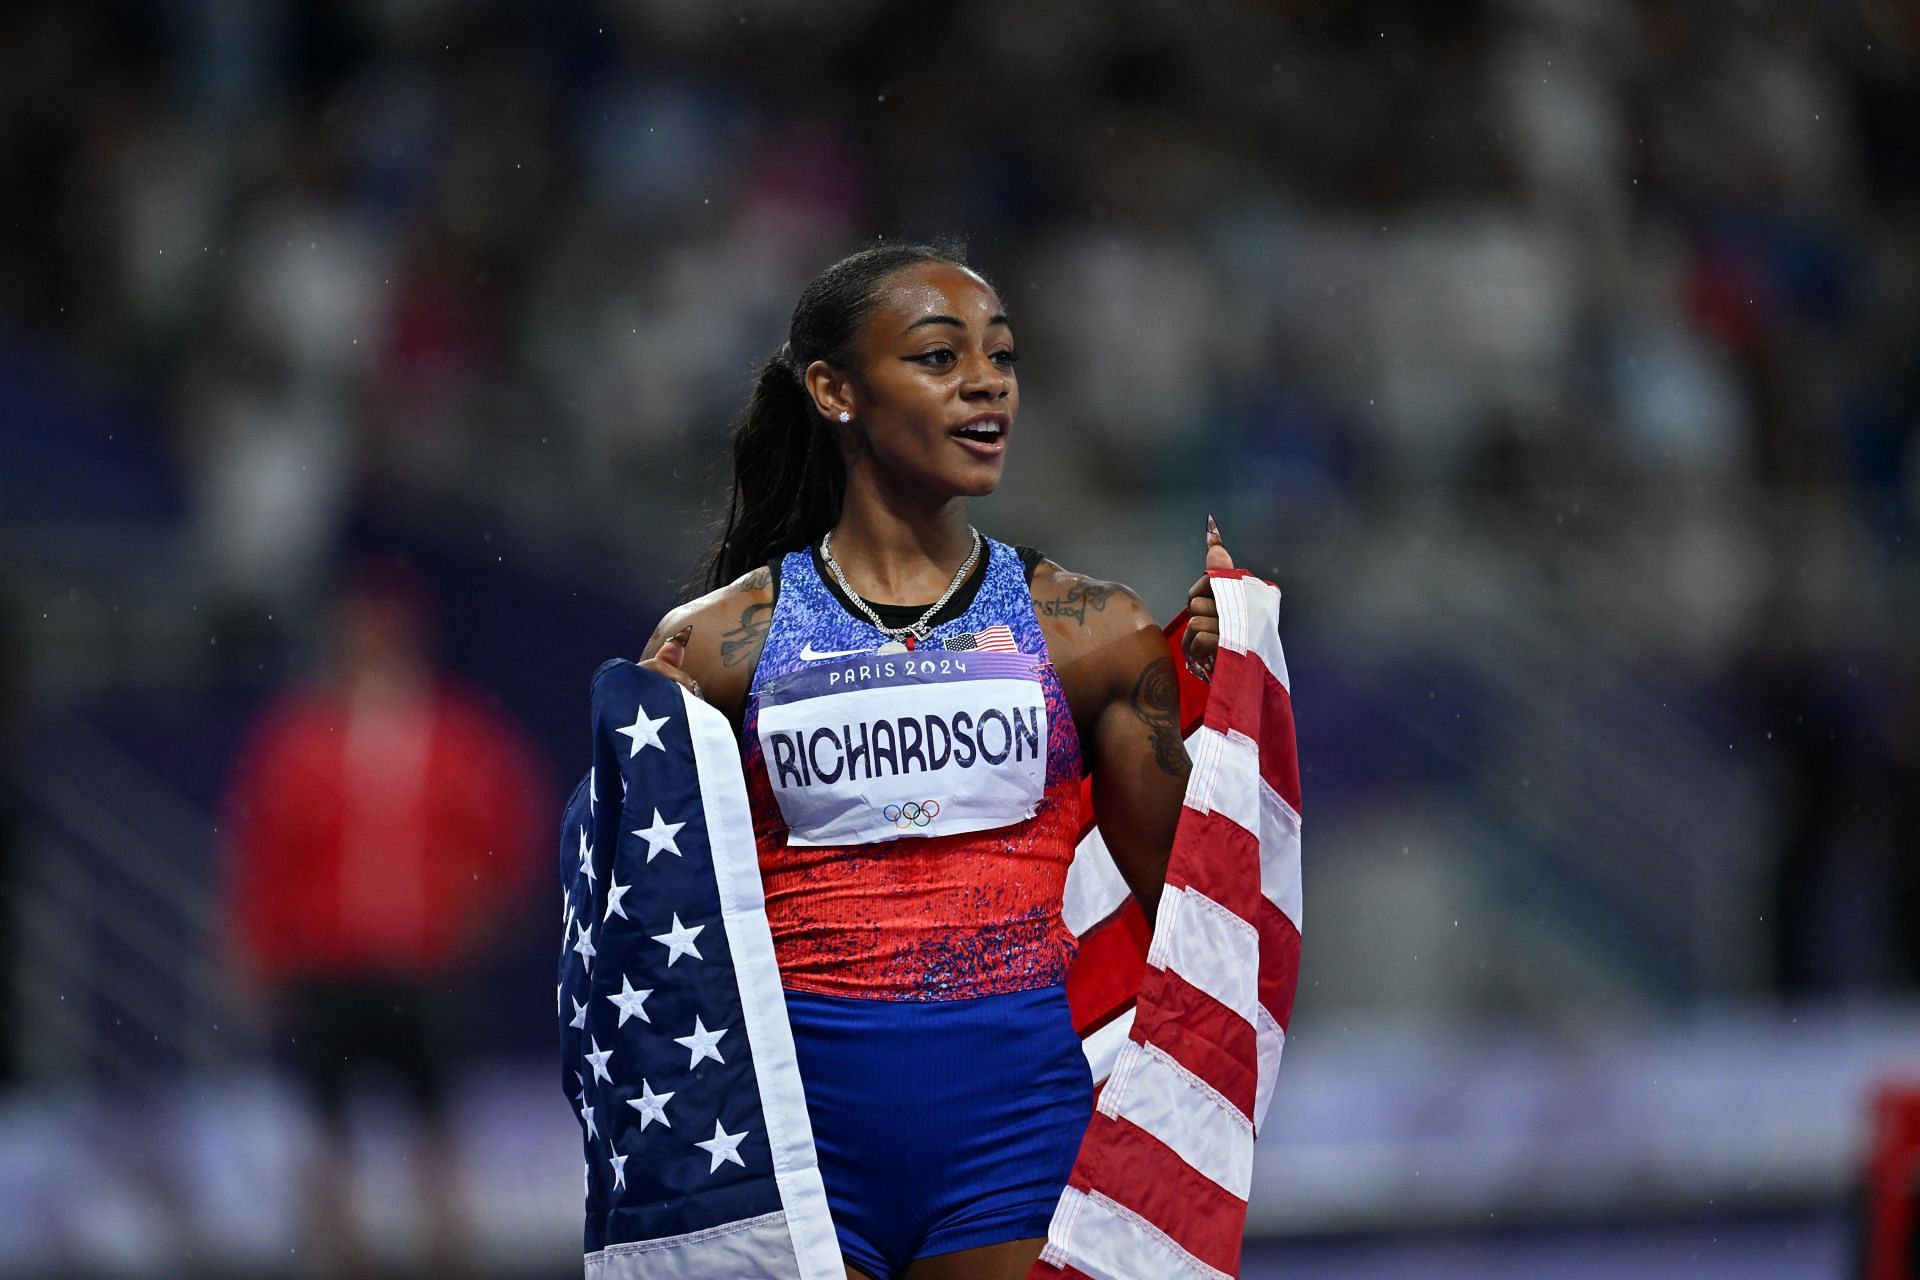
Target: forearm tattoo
{"x": 743, "y": 641}
{"x": 1080, "y": 597}
{"x": 1156, "y": 702}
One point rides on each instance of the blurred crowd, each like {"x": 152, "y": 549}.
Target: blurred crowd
{"x": 1559, "y": 360}
{"x": 1612, "y": 308}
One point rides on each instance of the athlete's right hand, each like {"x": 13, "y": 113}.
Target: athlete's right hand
{"x": 667, "y": 659}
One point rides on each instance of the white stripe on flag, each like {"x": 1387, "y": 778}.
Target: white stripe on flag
{"x": 736, "y": 866}
{"x": 1095, "y": 888}
{"x": 1210, "y": 947}
{"x": 759, "y": 1247}
{"x": 1280, "y": 853}
{"x": 1250, "y": 608}
{"x": 1151, "y": 1090}
{"x": 1103, "y": 1046}
{"x": 1272, "y": 1040}
{"x": 1226, "y": 780}
{"x": 1226, "y": 777}
{"x": 1107, "y": 1241}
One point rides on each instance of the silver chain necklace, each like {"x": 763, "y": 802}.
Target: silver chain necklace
{"x": 918, "y": 630}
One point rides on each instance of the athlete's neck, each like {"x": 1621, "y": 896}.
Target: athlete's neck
{"x": 897, "y": 552}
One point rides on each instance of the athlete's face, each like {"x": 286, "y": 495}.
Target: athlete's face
{"x": 936, "y": 395}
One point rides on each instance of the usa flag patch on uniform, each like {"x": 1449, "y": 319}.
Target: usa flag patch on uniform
{"x": 996, "y": 639}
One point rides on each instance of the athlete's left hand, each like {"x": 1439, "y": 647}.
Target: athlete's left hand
{"x": 1202, "y": 638}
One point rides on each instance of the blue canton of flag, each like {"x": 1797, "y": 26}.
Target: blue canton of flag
{"x": 675, "y": 1050}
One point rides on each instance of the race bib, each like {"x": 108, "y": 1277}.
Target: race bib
{"x": 907, "y": 744}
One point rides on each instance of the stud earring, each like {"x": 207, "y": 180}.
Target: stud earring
{"x": 845, "y": 416}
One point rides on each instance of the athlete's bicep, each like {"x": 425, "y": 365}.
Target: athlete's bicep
{"x": 1139, "y": 761}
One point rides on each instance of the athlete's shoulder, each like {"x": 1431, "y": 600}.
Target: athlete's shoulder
{"x": 729, "y": 627}
{"x": 717, "y": 609}
{"x": 1101, "y": 635}
{"x": 1065, "y": 599}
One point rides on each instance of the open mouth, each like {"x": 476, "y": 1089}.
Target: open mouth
{"x": 984, "y": 434}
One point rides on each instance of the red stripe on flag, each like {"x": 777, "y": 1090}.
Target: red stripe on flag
{"x": 1250, "y": 698}
{"x": 1217, "y": 856}
{"x": 1279, "y": 962}
{"x": 1136, "y": 1170}
{"x": 1212, "y": 1041}
{"x": 1106, "y": 973}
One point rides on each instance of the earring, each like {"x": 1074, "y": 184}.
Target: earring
{"x": 845, "y": 416}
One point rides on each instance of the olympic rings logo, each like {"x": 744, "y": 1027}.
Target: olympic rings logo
{"x": 914, "y": 813}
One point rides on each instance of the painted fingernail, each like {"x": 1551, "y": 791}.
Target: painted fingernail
{"x": 1213, "y": 530}
{"x": 682, "y": 635}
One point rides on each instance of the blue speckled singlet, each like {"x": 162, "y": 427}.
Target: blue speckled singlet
{"x": 918, "y": 919}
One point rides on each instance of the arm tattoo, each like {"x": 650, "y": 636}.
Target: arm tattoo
{"x": 1156, "y": 701}
{"x": 744, "y": 640}
{"x": 759, "y": 580}
{"x": 1080, "y": 597}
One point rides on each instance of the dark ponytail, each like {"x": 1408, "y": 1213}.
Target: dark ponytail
{"x": 789, "y": 475}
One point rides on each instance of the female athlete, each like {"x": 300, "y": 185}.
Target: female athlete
{"x": 915, "y": 819}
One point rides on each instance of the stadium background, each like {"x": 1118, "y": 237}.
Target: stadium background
{"x": 1557, "y": 359}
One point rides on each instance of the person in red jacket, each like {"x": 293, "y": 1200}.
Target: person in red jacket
{"x": 382, "y": 821}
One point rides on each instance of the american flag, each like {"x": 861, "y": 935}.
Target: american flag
{"x": 675, "y": 1047}
{"x": 1161, "y": 1182}
{"x": 995, "y": 639}
{"x": 674, "y": 1044}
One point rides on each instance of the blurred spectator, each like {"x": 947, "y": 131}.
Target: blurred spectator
{"x": 384, "y": 822}
{"x": 270, "y": 458}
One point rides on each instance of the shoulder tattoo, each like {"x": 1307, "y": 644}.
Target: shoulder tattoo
{"x": 1081, "y": 595}
{"x": 741, "y": 642}
{"x": 759, "y": 580}
{"x": 1155, "y": 701}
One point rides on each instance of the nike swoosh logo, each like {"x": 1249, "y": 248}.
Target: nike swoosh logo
{"x": 809, "y": 654}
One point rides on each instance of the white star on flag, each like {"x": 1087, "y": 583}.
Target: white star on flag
{"x": 644, "y": 732}
{"x": 615, "y": 892}
{"x": 619, "y": 1164}
{"x": 598, "y": 1061}
{"x": 586, "y": 856}
{"x": 580, "y": 1098}
{"x": 579, "y": 1022}
{"x": 723, "y": 1146}
{"x": 584, "y": 945}
{"x": 651, "y": 1106}
{"x": 593, "y": 788}
{"x": 678, "y": 941}
{"x": 586, "y": 1113}
{"x": 631, "y": 1003}
{"x": 660, "y": 836}
{"x": 701, "y": 1041}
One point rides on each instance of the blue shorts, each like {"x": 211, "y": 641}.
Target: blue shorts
{"x": 941, "y": 1125}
